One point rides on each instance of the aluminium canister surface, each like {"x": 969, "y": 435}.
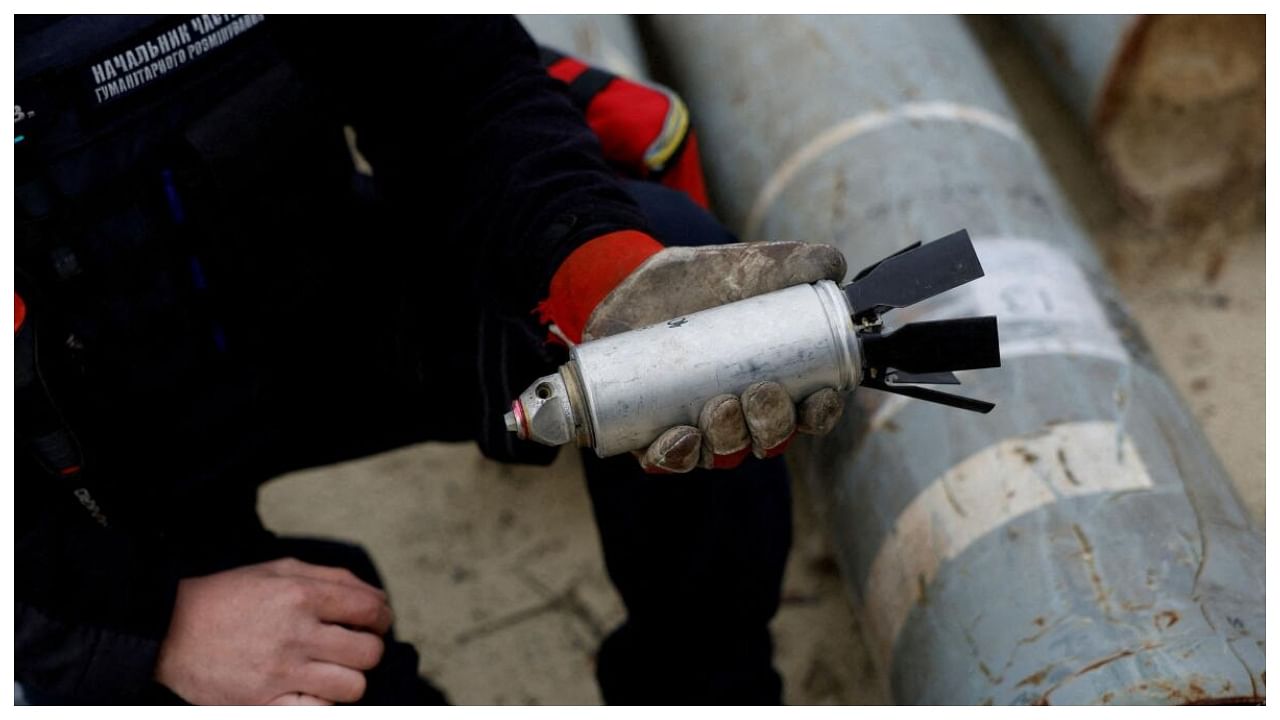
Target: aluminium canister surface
{"x": 642, "y": 382}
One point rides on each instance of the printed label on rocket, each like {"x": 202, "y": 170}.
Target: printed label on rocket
{"x": 1045, "y": 304}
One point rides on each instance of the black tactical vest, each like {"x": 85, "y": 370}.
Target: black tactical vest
{"x": 178, "y": 195}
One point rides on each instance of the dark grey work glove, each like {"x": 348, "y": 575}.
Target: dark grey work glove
{"x": 683, "y": 280}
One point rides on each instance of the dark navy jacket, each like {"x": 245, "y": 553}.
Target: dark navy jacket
{"x": 218, "y": 296}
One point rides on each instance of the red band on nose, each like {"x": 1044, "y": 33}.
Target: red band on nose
{"x": 522, "y": 421}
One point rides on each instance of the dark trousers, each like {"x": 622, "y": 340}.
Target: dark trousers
{"x": 697, "y": 558}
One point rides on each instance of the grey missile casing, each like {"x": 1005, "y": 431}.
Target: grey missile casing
{"x": 618, "y": 393}
{"x": 1080, "y": 544}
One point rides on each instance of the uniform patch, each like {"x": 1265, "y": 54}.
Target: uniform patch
{"x": 124, "y": 73}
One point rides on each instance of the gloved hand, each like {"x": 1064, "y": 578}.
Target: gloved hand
{"x": 676, "y": 281}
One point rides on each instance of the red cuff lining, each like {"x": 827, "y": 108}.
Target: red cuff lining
{"x": 19, "y": 312}
{"x": 589, "y": 274}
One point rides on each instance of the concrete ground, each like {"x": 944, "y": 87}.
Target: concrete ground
{"x": 495, "y": 572}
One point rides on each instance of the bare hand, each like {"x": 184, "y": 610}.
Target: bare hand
{"x": 281, "y": 632}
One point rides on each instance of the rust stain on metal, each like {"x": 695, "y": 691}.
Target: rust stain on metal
{"x": 1035, "y": 678}
{"x": 1101, "y": 662}
{"x": 1086, "y": 553}
{"x": 1027, "y": 456}
{"x": 1041, "y": 623}
{"x": 1190, "y": 694}
{"x": 1166, "y": 619}
{"x": 1066, "y": 468}
{"x": 1242, "y": 700}
{"x": 1107, "y": 697}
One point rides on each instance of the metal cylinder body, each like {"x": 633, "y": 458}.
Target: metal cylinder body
{"x": 640, "y": 383}
{"x": 1080, "y": 544}
{"x": 1176, "y": 104}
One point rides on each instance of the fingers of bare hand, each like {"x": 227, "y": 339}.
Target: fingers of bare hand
{"x": 675, "y": 451}
{"x": 296, "y": 698}
{"x": 346, "y": 605}
{"x": 350, "y": 648}
{"x": 820, "y": 412}
{"x": 771, "y": 418}
{"x": 725, "y": 439}
{"x": 342, "y": 576}
{"x": 334, "y": 683}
